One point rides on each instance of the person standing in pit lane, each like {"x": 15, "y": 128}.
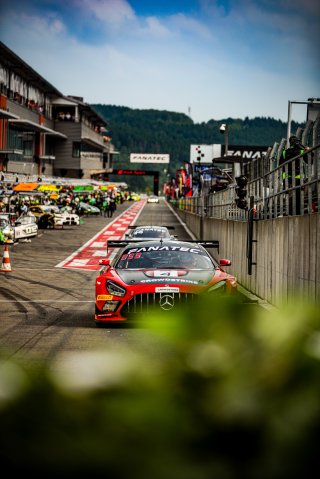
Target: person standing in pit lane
{"x": 105, "y": 205}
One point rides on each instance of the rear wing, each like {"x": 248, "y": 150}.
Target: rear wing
{"x": 125, "y": 242}
{"x": 121, "y": 243}
{"x": 206, "y": 243}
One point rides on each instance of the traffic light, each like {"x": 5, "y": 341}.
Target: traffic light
{"x": 241, "y": 192}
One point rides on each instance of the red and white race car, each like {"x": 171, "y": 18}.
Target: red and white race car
{"x": 157, "y": 276}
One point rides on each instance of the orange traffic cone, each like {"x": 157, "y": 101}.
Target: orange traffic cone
{"x": 6, "y": 266}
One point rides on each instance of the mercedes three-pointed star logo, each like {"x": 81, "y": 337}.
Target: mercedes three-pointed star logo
{"x": 166, "y": 301}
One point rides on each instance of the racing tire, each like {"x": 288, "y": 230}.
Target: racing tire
{"x": 100, "y": 324}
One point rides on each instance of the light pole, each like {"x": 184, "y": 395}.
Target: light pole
{"x": 224, "y": 129}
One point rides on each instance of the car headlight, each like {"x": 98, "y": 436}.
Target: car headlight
{"x": 115, "y": 289}
{"x": 8, "y": 232}
{"x": 219, "y": 287}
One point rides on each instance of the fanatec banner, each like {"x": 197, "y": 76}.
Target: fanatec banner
{"x": 149, "y": 158}
{"x": 205, "y": 154}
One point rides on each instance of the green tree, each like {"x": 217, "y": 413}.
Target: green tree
{"x": 157, "y": 131}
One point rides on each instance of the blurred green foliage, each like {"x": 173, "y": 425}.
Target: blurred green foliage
{"x": 231, "y": 393}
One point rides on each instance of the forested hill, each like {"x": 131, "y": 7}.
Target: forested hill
{"x": 157, "y": 131}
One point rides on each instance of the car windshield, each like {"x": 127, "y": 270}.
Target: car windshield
{"x": 50, "y": 209}
{"x": 26, "y": 220}
{"x": 166, "y": 257}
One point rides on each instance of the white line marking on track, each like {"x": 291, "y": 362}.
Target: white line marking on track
{"x": 103, "y": 253}
{"x": 98, "y": 244}
{"x": 183, "y": 224}
{"x": 79, "y": 262}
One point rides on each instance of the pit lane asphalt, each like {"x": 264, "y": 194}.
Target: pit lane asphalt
{"x": 46, "y": 311}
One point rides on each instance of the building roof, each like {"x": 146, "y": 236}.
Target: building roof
{"x": 11, "y": 61}
{"x": 28, "y": 125}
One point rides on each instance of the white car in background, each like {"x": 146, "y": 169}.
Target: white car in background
{"x": 68, "y": 218}
{"x": 24, "y": 227}
{"x": 153, "y": 199}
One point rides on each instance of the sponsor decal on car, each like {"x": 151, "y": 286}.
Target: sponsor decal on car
{"x": 172, "y": 280}
{"x": 104, "y": 297}
{"x": 142, "y": 230}
{"x": 164, "y": 273}
{"x": 164, "y": 248}
{"x": 167, "y": 289}
{"x": 130, "y": 256}
{"x": 27, "y": 231}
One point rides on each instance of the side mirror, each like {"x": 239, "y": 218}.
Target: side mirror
{"x": 104, "y": 262}
{"x": 225, "y": 262}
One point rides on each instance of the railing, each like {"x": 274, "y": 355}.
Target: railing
{"x": 271, "y": 196}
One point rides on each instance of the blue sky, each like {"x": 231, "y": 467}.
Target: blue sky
{"x": 212, "y": 59}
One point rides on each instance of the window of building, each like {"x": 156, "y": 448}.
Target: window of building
{"x": 76, "y": 148}
{"x": 15, "y": 139}
{"x": 28, "y": 147}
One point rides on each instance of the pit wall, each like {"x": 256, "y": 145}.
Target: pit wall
{"x": 286, "y": 253}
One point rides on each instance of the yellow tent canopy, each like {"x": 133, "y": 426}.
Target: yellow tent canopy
{"x": 49, "y": 188}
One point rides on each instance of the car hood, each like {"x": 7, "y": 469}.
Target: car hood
{"x": 167, "y": 276}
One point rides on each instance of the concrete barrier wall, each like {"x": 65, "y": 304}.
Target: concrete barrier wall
{"x": 287, "y": 253}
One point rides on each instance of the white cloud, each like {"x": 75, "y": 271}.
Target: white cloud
{"x": 185, "y": 23}
{"x": 113, "y": 12}
{"x": 57, "y": 26}
{"x": 226, "y": 63}
{"x": 156, "y": 29}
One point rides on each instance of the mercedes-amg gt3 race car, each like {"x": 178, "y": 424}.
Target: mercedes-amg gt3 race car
{"x": 157, "y": 276}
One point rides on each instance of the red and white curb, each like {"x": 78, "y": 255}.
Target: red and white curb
{"x": 87, "y": 257}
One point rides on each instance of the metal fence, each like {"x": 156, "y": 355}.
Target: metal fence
{"x": 268, "y": 194}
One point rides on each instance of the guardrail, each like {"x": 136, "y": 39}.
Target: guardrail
{"x": 270, "y": 195}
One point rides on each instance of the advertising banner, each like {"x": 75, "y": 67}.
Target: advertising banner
{"x": 149, "y": 158}
{"x": 204, "y": 153}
